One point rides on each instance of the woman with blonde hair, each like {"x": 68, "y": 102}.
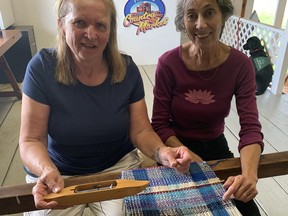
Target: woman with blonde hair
{"x": 83, "y": 109}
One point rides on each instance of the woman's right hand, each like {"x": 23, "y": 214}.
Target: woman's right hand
{"x": 50, "y": 181}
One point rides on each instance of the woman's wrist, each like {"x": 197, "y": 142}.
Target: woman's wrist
{"x": 50, "y": 169}
{"x": 156, "y": 155}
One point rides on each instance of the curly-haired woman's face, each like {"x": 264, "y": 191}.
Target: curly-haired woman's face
{"x": 203, "y": 22}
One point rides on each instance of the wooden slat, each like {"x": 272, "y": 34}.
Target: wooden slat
{"x": 18, "y": 198}
{"x": 5, "y": 104}
{"x": 9, "y": 136}
{"x": 273, "y": 164}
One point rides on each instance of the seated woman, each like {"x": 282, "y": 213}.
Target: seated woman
{"x": 83, "y": 109}
{"x": 194, "y": 86}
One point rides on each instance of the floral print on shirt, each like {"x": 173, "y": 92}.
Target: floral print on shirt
{"x": 199, "y": 96}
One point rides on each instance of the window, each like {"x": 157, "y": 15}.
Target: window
{"x": 266, "y": 10}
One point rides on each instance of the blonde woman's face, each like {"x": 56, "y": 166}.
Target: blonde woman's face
{"x": 86, "y": 29}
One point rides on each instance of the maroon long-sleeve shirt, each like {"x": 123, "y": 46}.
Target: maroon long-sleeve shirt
{"x": 193, "y": 105}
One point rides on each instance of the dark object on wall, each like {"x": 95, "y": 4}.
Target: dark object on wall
{"x": 262, "y": 64}
{"x": 20, "y": 53}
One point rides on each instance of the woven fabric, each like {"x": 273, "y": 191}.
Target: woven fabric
{"x": 171, "y": 193}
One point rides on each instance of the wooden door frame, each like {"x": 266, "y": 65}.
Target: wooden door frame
{"x": 244, "y": 2}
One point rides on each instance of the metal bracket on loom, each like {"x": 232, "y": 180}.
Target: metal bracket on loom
{"x": 97, "y": 191}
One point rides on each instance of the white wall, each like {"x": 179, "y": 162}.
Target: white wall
{"x": 237, "y": 7}
{"x": 6, "y": 14}
{"x": 145, "y": 48}
{"x": 40, "y": 14}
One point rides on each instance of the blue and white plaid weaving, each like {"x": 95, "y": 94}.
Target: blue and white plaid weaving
{"x": 174, "y": 194}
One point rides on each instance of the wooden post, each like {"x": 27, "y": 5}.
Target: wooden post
{"x": 281, "y": 65}
{"x": 243, "y": 8}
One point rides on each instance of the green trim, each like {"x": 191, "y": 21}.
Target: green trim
{"x": 261, "y": 62}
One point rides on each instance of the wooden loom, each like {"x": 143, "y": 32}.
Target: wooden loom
{"x": 19, "y": 198}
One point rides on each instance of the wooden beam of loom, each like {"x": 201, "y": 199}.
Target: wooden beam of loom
{"x": 15, "y": 199}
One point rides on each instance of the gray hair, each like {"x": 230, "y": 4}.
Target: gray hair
{"x": 225, "y": 6}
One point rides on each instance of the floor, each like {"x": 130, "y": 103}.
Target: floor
{"x": 273, "y": 192}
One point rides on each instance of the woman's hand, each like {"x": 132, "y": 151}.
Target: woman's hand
{"x": 50, "y": 181}
{"x": 240, "y": 188}
{"x": 243, "y": 187}
{"x": 176, "y": 157}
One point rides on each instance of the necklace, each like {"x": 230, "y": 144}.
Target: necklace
{"x": 208, "y": 78}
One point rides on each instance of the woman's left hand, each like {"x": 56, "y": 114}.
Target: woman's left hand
{"x": 240, "y": 188}
{"x": 176, "y": 157}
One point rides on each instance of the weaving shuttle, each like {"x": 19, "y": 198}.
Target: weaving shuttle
{"x": 97, "y": 191}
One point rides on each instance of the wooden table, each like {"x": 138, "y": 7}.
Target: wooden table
{"x": 7, "y": 39}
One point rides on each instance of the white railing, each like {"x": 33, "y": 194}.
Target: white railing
{"x": 238, "y": 30}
